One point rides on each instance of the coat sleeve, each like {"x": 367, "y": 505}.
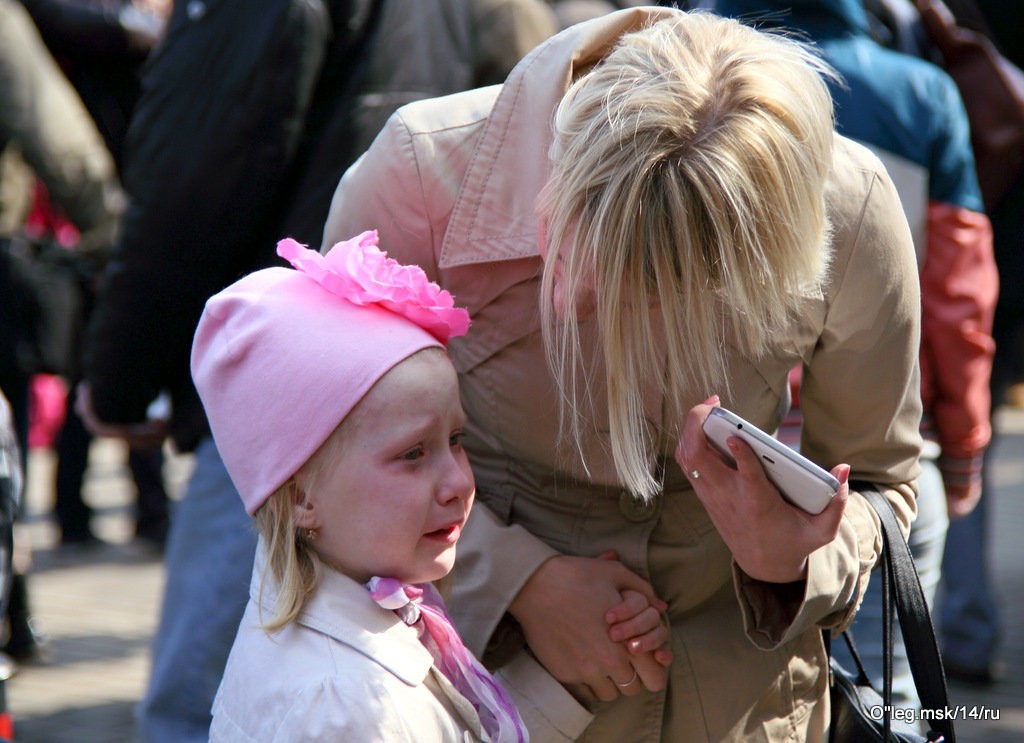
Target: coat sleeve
{"x": 43, "y": 115}
{"x": 959, "y": 284}
{"x": 860, "y": 398}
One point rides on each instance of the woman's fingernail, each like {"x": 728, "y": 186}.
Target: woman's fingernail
{"x": 713, "y": 400}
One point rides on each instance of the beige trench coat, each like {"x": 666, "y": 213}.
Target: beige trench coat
{"x": 451, "y": 184}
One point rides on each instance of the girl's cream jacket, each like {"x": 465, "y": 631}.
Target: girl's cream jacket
{"x": 450, "y": 184}
{"x": 345, "y": 670}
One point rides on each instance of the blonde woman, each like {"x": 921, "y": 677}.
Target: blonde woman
{"x": 654, "y": 210}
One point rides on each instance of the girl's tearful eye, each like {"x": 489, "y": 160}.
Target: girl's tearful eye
{"x": 413, "y": 454}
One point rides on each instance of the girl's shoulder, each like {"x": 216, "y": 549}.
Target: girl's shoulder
{"x": 361, "y": 701}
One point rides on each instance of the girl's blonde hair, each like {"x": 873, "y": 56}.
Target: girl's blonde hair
{"x": 689, "y": 170}
{"x": 292, "y": 560}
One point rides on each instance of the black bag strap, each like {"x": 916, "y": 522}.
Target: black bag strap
{"x": 862, "y": 674}
{"x": 904, "y": 589}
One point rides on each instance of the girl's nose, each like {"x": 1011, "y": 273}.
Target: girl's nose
{"x": 457, "y": 482}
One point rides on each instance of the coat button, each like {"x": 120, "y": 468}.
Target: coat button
{"x": 636, "y": 509}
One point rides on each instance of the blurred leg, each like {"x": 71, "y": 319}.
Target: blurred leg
{"x": 151, "y": 510}
{"x": 72, "y": 448}
{"x": 209, "y": 559}
{"x": 968, "y": 621}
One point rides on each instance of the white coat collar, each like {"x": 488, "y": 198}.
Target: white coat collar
{"x": 343, "y": 609}
{"x": 494, "y": 218}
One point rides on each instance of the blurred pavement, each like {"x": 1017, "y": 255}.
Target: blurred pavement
{"x": 99, "y": 606}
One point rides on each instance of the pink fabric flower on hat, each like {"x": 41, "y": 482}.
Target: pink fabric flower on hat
{"x": 358, "y": 271}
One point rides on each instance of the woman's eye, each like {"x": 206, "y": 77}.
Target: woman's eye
{"x": 455, "y": 441}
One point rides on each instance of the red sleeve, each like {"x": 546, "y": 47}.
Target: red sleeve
{"x": 959, "y": 286}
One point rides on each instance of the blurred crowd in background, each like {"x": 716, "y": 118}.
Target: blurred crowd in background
{"x": 151, "y": 152}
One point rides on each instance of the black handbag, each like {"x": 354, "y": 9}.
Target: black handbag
{"x": 859, "y": 713}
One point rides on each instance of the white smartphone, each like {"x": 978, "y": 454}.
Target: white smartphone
{"x": 801, "y": 481}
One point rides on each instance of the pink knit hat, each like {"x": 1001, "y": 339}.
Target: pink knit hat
{"x": 281, "y": 356}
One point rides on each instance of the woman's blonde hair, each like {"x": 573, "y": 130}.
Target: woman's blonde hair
{"x": 688, "y": 175}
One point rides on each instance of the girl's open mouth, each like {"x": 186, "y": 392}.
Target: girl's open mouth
{"x": 448, "y": 533}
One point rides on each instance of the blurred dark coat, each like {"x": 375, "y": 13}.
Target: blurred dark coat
{"x": 247, "y": 118}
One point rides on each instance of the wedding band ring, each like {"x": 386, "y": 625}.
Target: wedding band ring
{"x": 628, "y": 683}
{"x": 694, "y": 475}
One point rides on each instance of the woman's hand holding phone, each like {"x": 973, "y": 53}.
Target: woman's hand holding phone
{"x": 799, "y": 480}
{"x": 769, "y": 538}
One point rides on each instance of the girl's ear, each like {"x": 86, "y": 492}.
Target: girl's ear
{"x": 304, "y": 510}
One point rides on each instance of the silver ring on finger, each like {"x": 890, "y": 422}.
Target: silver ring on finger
{"x": 628, "y": 683}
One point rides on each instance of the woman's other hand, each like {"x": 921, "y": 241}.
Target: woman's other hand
{"x": 769, "y": 538}
{"x": 563, "y": 610}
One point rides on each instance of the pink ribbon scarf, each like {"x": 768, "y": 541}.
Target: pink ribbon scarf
{"x": 413, "y": 603}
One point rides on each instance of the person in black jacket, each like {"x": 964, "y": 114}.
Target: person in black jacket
{"x": 246, "y": 121}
